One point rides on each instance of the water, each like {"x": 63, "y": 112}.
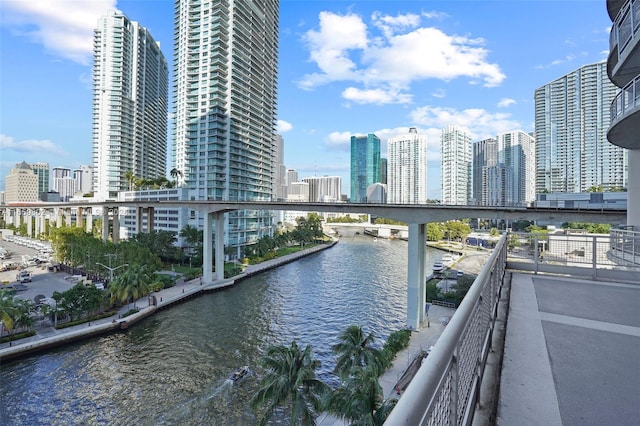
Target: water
{"x": 173, "y": 368}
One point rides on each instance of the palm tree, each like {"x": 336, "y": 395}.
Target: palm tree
{"x": 360, "y": 399}
{"x": 175, "y": 174}
{"x": 8, "y": 309}
{"x": 290, "y": 383}
{"x": 355, "y": 350}
{"x": 130, "y": 177}
{"x": 133, "y": 284}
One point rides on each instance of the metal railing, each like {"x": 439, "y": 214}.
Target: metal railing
{"x": 446, "y": 388}
{"x": 625, "y": 26}
{"x": 597, "y": 256}
{"x": 627, "y": 100}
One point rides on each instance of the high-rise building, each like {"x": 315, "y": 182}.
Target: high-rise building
{"x": 324, "y": 189}
{"x": 225, "y": 77}
{"x": 516, "y": 152}
{"x": 622, "y": 68}
{"x": 383, "y": 170}
{"x": 63, "y": 183}
{"x": 21, "y": 184}
{"x": 42, "y": 171}
{"x": 365, "y": 165}
{"x": 280, "y": 170}
{"x": 130, "y": 105}
{"x": 82, "y": 178}
{"x": 571, "y": 121}
{"x": 485, "y": 154}
{"x": 407, "y": 162}
{"x": 455, "y": 169}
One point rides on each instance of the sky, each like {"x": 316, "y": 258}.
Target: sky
{"x": 345, "y": 68}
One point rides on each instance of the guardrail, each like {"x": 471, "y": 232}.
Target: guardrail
{"x": 445, "y": 389}
{"x": 627, "y": 100}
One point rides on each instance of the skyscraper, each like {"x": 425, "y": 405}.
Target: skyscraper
{"x": 82, "y": 177}
{"x": 485, "y": 154}
{"x": 63, "y": 183}
{"x": 21, "y": 184}
{"x": 42, "y": 171}
{"x": 571, "y": 121}
{"x": 365, "y": 165}
{"x": 324, "y": 189}
{"x": 225, "y": 76}
{"x": 516, "y": 151}
{"x": 455, "y": 169}
{"x": 279, "y": 170}
{"x": 407, "y": 164}
{"x": 130, "y": 95}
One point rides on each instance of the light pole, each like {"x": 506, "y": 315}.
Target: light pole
{"x": 109, "y": 268}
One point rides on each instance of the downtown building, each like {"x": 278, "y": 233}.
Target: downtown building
{"x": 365, "y": 165}
{"x": 225, "y": 104}
{"x": 324, "y": 189}
{"x": 455, "y": 168}
{"x": 63, "y": 183}
{"x": 42, "y": 171}
{"x": 485, "y": 156}
{"x": 130, "y": 105}
{"x": 572, "y": 116}
{"x": 516, "y": 153}
{"x": 407, "y": 168}
{"x": 21, "y": 184}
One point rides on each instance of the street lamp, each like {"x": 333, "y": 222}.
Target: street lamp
{"x": 109, "y": 268}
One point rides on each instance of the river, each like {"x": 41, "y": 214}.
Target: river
{"x": 172, "y": 368}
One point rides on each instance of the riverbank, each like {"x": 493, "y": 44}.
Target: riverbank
{"x": 50, "y": 337}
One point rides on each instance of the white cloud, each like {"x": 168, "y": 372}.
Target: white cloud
{"x": 284, "y": 126}
{"x": 376, "y": 96}
{"x": 506, "y": 102}
{"x": 439, "y": 93}
{"x": 481, "y": 123}
{"x": 7, "y": 143}
{"x": 339, "y": 140}
{"x": 63, "y": 27}
{"x": 343, "y": 50}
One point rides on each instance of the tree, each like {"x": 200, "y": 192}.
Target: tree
{"x": 290, "y": 383}
{"x": 360, "y": 399}
{"x": 175, "y": 174}
{"x": 434, "y": 233}
{"x": 8, "y": 309}
{"x": 133, "y": 284}
{"x": 356, "y": 350}
{"x": 131, "y": 178}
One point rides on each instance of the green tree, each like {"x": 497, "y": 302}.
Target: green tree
{"x": 360, "y": 399}
{"x": 175, "y": 174}
{"x": 434, "y": 233}
{"x": 8, "y": 309}
{"x": 133, "y": 284}
{"x": 355, "y": 350}
{"x": 290, "y": 383}
{"x": 131, "y": 179}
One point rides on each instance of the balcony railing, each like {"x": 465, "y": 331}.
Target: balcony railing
{"x": 446, "y": 388}
{"x": 628, "y": 99}
{"x": 625, "y": 26}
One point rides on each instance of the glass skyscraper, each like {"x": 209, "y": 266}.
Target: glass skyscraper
{"x": 130, "y": 105}
{"x": 571, "y": 121}
{"x": 225, "y": 80}
{"x": 365, "y": 165}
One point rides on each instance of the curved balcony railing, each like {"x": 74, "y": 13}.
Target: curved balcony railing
{"x": 628, "y": 99}
{"x": 625, "y": 26}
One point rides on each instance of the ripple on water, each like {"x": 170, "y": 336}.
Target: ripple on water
{"x": 172, "y": 368}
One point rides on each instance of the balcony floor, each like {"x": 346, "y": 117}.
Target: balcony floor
{"x": 571, "y": 354}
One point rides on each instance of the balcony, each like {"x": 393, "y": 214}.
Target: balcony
{"x": 625, "y": 116}
{"x": 557, "y": 345}
{"x": 623, "y": 63}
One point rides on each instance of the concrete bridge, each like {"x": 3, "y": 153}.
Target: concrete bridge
{"x": 416, "y": 216}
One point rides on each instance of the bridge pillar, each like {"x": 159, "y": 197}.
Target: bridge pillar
{"x": 58, "y": 213}
{"x": 150, "y": 219}
{"x": 116, "y": 225}
{"x": 633, "y": 192}
{"x": 207, "y": 248}
{"x": 89, "y": 221}
{"x": 139, "y": 211}
{"x": 219, "y": 247}
{"x": 416, "y": 285}
{"x": 105, "y": 224}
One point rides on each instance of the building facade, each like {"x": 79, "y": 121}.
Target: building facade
{"x": 485, "y": 154}
{"x": 21, "y": 184}
{"x": 571, "y": 121}
{"x": 623, "y": 71}
{"x": 365, "y": 165}
{"x": 516, "y": 150}
{"x": 63, "y": 183}
{"x": 130, "y": 105}
{"x": 324, "y": 189}
{"x": 83, "y": 179}
{"x": 455, "y": 168}
{"x": 407, "y": 166}
{"x": 225, "y": 103}
{"x": 279, "y": 170}
{"x": 42, "y": 171}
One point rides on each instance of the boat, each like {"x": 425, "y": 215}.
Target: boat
{"x": 438, "y": 267}
{"x": 239, "y": 374}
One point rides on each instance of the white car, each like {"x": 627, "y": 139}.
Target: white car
{"x": 438, "y": 267}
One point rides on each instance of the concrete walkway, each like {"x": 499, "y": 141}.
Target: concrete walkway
{"x": 571, "y": 354}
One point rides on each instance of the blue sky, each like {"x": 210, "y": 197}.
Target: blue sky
{"x": 346, "y": 67}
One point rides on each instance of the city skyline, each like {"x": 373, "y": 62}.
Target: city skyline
{"x": 337, "y": 76}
